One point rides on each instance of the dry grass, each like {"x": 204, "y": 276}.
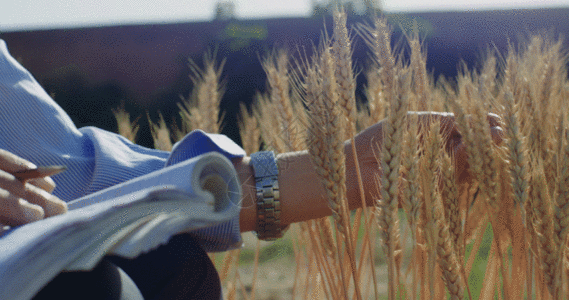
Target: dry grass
{"x": 431, "y": 228}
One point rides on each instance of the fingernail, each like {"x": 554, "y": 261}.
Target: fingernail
{"x": 31, "y": 212}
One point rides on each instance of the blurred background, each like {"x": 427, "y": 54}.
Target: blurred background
{"x": 93, "y": 55}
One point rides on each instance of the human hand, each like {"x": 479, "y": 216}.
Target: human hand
{"x": 455, "y": 145}
{"x": 25, "y": 201}
{"x": 369, "y": 139}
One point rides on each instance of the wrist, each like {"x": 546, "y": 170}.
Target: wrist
{"x": 247, "y": 215}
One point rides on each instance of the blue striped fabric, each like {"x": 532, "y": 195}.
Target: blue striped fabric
{"x": 34, "y": 127}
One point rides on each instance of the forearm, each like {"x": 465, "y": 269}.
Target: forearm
{"x": 302, "y": 194}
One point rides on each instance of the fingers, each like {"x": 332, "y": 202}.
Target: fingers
{"x": 10, "y": 162}
{"x": 497, "y": 134}
{"x": 50, "y": 204}
{"x": 16, "y": 211}
{"x": 495, "y": 128}
{"x": 450, "y": 130}
{"x": 47, "y": 184}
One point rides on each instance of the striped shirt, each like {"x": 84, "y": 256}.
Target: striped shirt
{"x": 34, "y": 127}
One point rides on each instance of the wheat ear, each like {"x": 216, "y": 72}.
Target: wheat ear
{"x": 543, "y": 225}
{"x": 450, "y": 200}
{"x": 160, "y": 134}
{"x": 197, "y": 111}
{"x": 428, "y": 164}
{"x": 265, "y": 110}
{"x": 410, "y": 195}
{"x": 327, "y": 236}
{"x": 248, "y": 129}
{"x": 378, "y": 38}
{"x": 409, "y": 172}
{"x": 487, "y": 79}
{"x": 384, "y": 55}
{"x": 446, "y": 254}
{"x": 488, "y": 178}
{"x": 516, "y": 154}
{"x": 375, "y": 96}
{"x": 125, "y": 127}
{"x": 336, "y": 156}
{"x": 390, "y": 157}
{"x": 561, "y": 209}
{"x": 276, "y": 68}
{"x": 419, "y": 66}
{"x": 346, "y": 84}
{"x": 473, "y": 156}
{"x": 346, "y": 81}
{"x": 325, "y": 153}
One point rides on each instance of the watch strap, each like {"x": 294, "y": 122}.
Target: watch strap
{"x": 268, "y": 204}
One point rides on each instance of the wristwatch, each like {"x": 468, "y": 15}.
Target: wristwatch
{"x": 268, "y": 225}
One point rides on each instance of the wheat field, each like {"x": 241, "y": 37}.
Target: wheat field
{"x": 428, "y": 235}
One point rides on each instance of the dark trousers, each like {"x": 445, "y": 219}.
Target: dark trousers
{"x": 179, "y": 270}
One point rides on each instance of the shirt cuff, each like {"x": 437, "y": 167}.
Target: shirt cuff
{"x": 198, "y": 142}
{"x": 227, "y": 235}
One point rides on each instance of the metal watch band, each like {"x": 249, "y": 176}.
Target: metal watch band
{"x": 268, "y": 199}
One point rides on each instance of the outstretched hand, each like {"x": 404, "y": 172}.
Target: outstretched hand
{"x": 455, "y": 145}
{"x": 368, "y": 140}
{"x": 25, "y": 201}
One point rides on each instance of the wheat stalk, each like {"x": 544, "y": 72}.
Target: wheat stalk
{"x": 529, "y": 93}
{"x": 346, "y": 84}
{"x": 561, "y": 208}
{"x": 390, "y": 163}
{"x": 410, "y": 192}
{"x": 428, "y": 165}
{"x": 324, "y": 146}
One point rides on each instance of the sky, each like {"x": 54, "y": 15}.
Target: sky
{"x": 16, "y": 15}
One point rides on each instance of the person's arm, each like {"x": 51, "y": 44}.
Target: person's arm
{"x": 302, "y": 194}
{"x": 34, "y": 127}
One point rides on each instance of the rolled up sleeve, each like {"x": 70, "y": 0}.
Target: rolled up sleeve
{"x": 34, "y": 127}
